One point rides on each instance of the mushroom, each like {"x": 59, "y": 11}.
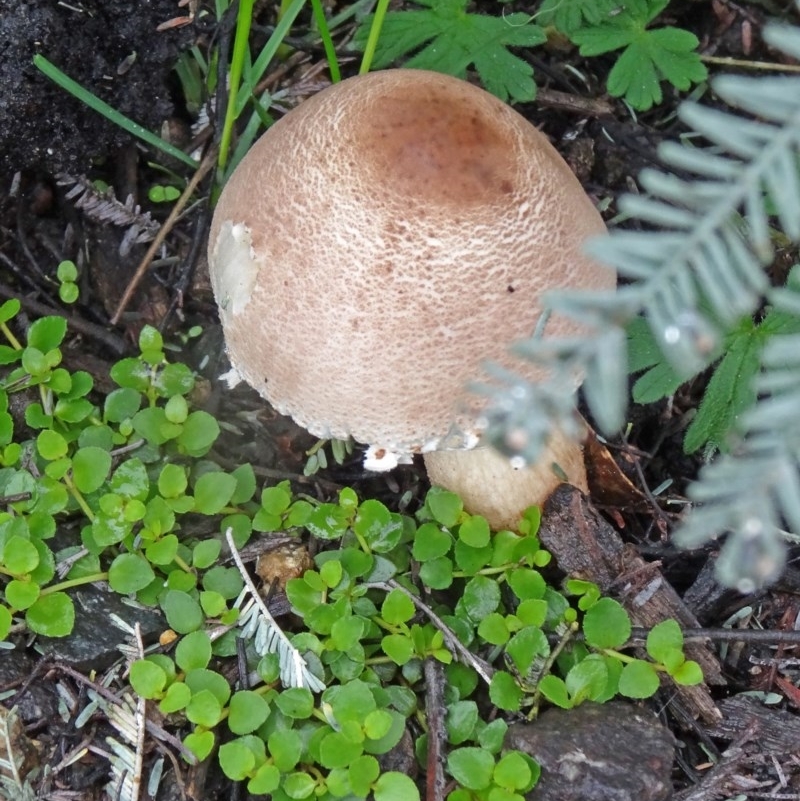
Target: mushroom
{"x": 376, "y": 246}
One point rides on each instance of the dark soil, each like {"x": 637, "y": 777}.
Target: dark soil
{"x": 113, "y": 48}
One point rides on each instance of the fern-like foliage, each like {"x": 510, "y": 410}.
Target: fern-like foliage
{"x": 17, "y": 757}
{"x": 707, "y": 243}
{"x": 259, "y": 627}
{"x": 102, "y": 206}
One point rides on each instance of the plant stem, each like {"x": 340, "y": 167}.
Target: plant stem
{"x": 110, "y": 113}
{"x": 374, "y": 35}
{"x": 79, "y": 499}
{"x": 9, "y": 335}
{"x": 244, "y": 19}
{"x": 76, "y": 582}
{"x": 327, "y": 41}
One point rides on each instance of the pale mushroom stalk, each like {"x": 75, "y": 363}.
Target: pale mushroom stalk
{"x": 490, "y": 484}
{"x": 377, "y": 246}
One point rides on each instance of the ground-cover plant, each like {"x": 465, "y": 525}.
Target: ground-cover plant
{"x": 444, "y": 36}
{"x": 731, "y": 389}
{"x": 340, "y": 686}
{"x": 695, "y": 269}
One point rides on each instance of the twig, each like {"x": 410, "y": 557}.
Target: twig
{"x": 294, "y": 670}
{"x": 484, "y": 670}
{"x": 153, "y": 728}
{"x": 108, "y": 338}
{"x": 575, "y": 104}
{"x": 141, "y": 718}
{"x": 730, "y": 635}
{"x": 437, "y": 734}
{"x": 205, "y": 165}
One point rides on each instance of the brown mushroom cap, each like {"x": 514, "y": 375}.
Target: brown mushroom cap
{"x": 384, "y": 239}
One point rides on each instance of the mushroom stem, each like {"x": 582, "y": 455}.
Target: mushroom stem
{"x": 490, "y": 486}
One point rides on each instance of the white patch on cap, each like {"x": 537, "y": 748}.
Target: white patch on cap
{"x": 232, "y": 378}
{"x": 235, "y": 269}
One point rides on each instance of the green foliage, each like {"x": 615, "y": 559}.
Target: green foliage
{"x": 694, "y": 268}
{"x": 163, "y": 193}
{"x": 649, "y": 56}
{"x": 338, "y": 692}
{"x": 67, "y": 274}
{"x": 731, "y": 390}
{"x": 444, "y": 37}
{"x": 450, "y": 40}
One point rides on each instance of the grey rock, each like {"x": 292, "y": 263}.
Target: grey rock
{"x": 598, "y": 752}
{"x": 93, "y": 643}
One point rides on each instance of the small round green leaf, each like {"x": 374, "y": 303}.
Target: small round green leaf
{"x": 237, "y": 761}
{"x": 51, "y": 445}
{"x": 512, "y": 772}
{"x": 248, "y": 710}
{"x": 299, "y": 785}
{"x": 431, "y": 542}
{"x": 213, "y": 492}
{"x": 397, "y": 607}
{"x": 193, "y": 652}
{"x": 445, "y": 506}
{"x": 481, "y": 597}
{"x": 663, "y": 639}
{"x": 47, "y": 333}
{"x": 688, "y": 674}
{"x": 21, "y": 594}
{"x": 20, "y": 555}
{"x": 5, "y": 622}
{"x": 395, "y": 786}
{"x": 296, "y": 702}
{"x": 204, "y": 709}
{"x": 437, "y": 573}
{"x": 606, "y": 624}
{"x": 129, "y": 573}
{"x": 638, "y": 680}
{"x": 398, "y": 647}
{"x": 460, "y": 721}
{"x": 52, "y": 615}
{"x": 205, "y": 553}
{"x": 200, "y": 743}
{"x": 147, "y": 678}
{"x": 504, "y": 692}
{"x": 265, "y": 781}
{"x": 474, "y": 531}
{"x": 285, "y": 748}
{"x": 172, "y": 481}
{"x": 198, "y": 434}
{"x": 183, "y": 611}
{"x": 336, "y": 750}
{"x": 176, "y": 698}
{"x": 471, "y": 767}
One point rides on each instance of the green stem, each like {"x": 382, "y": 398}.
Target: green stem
{"x": 244, "y": 19}
{"x": 327, "y": 41}
{"x": 549, "y": 662}
{"x": 628, "y": 659}
{"x": 374, "y": 35}
{"x": 182, "y": 564}
{"x": 79, "y": 499}
{"x": 76, "y": 582}
{"x": 101, "y": 107}
{"x": 486, "y": 571}
{"x": 9, "y": 335}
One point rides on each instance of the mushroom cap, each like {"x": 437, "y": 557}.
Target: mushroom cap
{"x": 384, "y": 239}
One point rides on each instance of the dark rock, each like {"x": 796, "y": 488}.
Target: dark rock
{"x": 35, "y": 700}
{"x": 93, "y": 643}
{"x": 598, "y": 752}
